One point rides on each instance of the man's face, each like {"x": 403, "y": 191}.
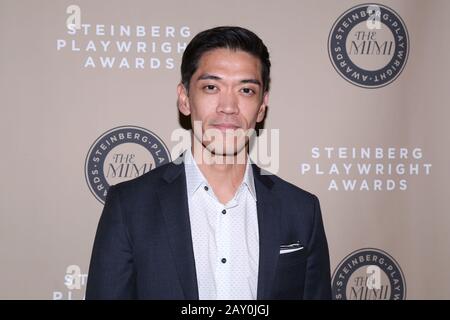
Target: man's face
{"x": 226, "y": 96}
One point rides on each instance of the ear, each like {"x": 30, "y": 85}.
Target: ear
{"x": 262, "y": 108}
{"x": 183, "y": 100}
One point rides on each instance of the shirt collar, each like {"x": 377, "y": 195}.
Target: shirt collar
{"x": 195, "y": 178}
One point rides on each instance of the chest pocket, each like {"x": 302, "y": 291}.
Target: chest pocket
{"x": 290, "y": 273}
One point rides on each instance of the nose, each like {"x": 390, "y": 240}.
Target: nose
{"x": 228, "y": 103}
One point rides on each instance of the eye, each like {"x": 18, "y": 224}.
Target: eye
{"x": 248, "y": 91}
{"x": 210, "y": 88}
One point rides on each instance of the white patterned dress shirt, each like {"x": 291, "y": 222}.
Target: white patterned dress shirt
{"x": 225, "y": 237}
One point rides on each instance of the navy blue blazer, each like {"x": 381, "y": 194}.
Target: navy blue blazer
{"x": 143, "y": 245}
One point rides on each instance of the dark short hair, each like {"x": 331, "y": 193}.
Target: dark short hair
{"x": 234, "y": 38}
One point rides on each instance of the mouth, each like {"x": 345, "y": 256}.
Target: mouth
{"x": 225, "y": 126}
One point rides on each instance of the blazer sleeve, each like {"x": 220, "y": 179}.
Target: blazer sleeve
{"x": 111, "y": 274}
{"x": 317, "y": 280}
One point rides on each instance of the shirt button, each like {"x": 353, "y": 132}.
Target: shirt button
{"x": 224, "y": 211}
{"x": 206, "y": 188}
{"x": 224, "y": 260}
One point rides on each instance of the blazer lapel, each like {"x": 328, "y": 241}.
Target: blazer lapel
{"x": 269, "y": 233}
{"x": 175, "y": 209}
{"x": 174, "y": 206}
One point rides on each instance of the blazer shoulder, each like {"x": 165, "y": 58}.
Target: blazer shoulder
{"x": 286, "y": 189}
{"x": 151, "y": 180}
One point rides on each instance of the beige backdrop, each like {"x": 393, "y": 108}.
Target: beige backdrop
{"x": 54, "y": 105}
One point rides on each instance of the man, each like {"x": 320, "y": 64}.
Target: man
{"x": 212, "y": 226}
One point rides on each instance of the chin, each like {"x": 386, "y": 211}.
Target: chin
{"x": 226, "y": 151}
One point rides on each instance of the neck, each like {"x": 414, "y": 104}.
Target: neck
{"x": 222, "y": 171}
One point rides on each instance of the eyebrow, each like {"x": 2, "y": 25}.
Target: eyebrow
{"x": 208, "y": 76}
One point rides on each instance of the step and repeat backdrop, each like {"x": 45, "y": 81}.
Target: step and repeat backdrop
{"x": 359, "y": 103}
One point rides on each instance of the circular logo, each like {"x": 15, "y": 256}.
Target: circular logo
{"x": 368, "y": 274}
{"x": 122, "y": 154}
{"x": 368, "y": 45}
